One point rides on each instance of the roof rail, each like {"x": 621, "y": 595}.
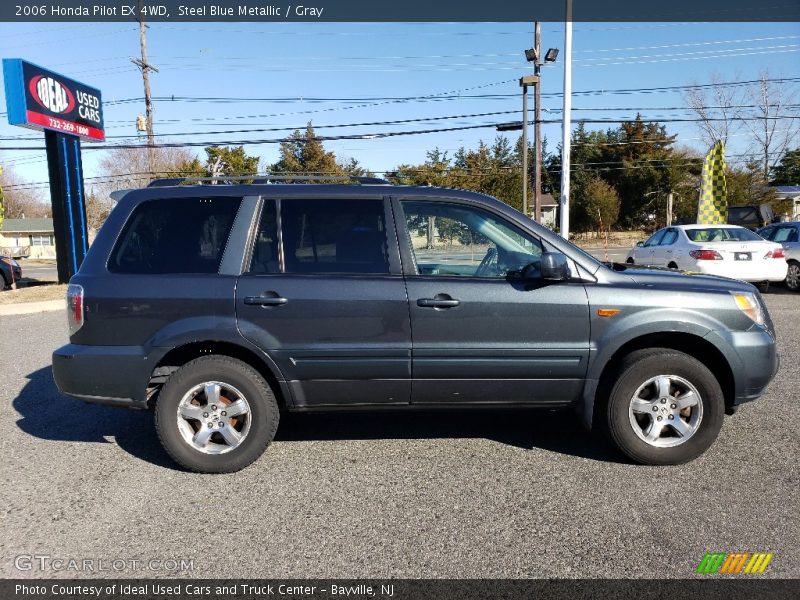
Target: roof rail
{"x": 267, "y": 178}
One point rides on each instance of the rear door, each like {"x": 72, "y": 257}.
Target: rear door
{"x": 324, "y": 296}
{"x": 482, "y": 334}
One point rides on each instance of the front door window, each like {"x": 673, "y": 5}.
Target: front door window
{"x": 450, "y": 240}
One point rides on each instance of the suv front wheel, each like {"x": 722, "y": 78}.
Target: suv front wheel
{"x": 665, "y": 407}
{"x": 216, "y": 415}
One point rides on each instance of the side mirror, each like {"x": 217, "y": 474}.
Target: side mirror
{"x": 554, "y": 266}
{"x": 640, "y": 244}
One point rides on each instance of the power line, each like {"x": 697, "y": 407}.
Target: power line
{"x": 648, "y": 163}
{"x": 456, "y": 94}
{"x": 646, "y": 118}
{"x": 379, "y": 135}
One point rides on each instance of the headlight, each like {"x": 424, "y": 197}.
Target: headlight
{"x": 748, "y": 303}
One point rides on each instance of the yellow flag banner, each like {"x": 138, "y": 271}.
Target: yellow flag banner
{"x": 713, "y": 205}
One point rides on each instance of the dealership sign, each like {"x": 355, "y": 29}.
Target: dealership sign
{"x": 41, "y": 99}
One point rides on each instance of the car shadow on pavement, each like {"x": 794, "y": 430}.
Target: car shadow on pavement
{"x": 48, "y": 415}
{"x": 554, "y": 431}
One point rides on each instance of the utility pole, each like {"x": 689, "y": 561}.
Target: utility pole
{"x": 525, "y": 149}
{"x": 537, "y": 131}
{"x": 669, "y": 208}
{"x": 524, "y": 82}
{"x": 567, "y": 123}
{"x": 145, "y": 68}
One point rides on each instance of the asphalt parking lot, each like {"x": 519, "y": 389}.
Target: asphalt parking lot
{"x": 481, "y": 495}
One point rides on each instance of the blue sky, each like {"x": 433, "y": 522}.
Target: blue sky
{"x": 363, "y": 60}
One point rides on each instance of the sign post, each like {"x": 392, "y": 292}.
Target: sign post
{"x": 66, "y": 110}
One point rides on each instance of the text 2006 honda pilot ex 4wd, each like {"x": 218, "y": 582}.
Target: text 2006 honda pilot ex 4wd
{"x": 220, "y": 305}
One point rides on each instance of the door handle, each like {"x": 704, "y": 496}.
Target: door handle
{"x": 438, "y": 301}
{"x": 266, "y": 299}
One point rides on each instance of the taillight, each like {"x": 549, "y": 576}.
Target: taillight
{"x": 777, "y": 253}
{"x": 74, "y": 307}
{"x": 705, "y": 255}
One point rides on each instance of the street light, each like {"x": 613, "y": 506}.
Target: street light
{"x": 532, "y": 55}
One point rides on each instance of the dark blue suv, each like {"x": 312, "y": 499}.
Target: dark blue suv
{"x": 219, "y": 306}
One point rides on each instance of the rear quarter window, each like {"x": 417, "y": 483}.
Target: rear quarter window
{"x": 175, "y": 235}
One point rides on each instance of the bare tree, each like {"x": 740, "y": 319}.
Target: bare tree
{"x": 23, "y": 198}
{"x": 715, "y": 105}
{"x": 772, "y": 120}
{"x": 127, "y": 168}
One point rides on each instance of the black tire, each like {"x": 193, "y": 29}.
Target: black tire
{"x": 630, "y": 261}
{"x": 264, "y": 414}
{"x": 793, "y": 276}
{"x": 763, "y": 287}
{"x": 672, "y": 265}
{"x": 636, "y": 369}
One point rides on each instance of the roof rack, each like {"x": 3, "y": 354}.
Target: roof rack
{"x": 225, "y": 180}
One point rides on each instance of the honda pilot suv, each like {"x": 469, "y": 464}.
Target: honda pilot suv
{"x": 222, "y": 306}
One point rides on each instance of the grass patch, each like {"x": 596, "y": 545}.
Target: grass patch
{"x": 38, "y": 293}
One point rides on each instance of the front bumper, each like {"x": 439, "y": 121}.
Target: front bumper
{"x": 112, "y": 375}
{"x": 753, "y": 358}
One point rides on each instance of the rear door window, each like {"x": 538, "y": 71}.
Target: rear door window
{"x": 334, "y": 236}
{"x": 175, "y": 235}
{"x": 670, "y": 237}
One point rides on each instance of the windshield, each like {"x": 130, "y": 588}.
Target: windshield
{"x": 723, "y": 234}
{"x": 743, "y": 214}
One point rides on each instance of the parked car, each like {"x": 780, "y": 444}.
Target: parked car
{"x": 218, "y": 306}
{"x": 10, "y": 270}
{"x": 787, "y": 234}
{"x": 751, "y": 216}
{"x": 725, "y": 250}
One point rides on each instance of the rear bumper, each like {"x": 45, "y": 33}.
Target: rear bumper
{"x": 752, "y": 271}
{"x": 111, "y": 375}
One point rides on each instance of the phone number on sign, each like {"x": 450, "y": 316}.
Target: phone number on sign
{"x": 67, "y": 126}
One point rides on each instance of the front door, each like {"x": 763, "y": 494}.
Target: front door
{"x": 646, "y": 254}
{"x": 325, "y": 298}
{"x": 481, "y": 332}
{"x": 664, "y": 253}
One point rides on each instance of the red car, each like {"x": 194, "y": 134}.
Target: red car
{"x": 10, "y": 270}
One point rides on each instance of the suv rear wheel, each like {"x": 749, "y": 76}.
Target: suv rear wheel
{"x": 665, "y": 407}
{"x": 216, "y": 415}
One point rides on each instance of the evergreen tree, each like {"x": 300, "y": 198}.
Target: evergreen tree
{"x": 232, "y": 161}
{"x": 304, "y": 154}
{"x": 787, "y": 172}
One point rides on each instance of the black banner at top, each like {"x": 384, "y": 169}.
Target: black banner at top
{"x": 271, "y": 11}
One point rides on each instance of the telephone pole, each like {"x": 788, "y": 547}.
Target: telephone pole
{"x": 145, "y": 67}
{"x": 566, "y": 126}
{"x": 537, "y": 131}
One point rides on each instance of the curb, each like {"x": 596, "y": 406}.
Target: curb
{"x": 27, "y": 308}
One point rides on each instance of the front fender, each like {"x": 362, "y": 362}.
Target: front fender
{"x": 610, "y": 334}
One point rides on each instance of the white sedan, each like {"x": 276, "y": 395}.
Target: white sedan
{"x": 725, "y": 250}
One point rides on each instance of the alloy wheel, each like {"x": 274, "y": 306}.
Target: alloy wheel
{"x": 214, "y": 417}
{"x": 665, "y": 411}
